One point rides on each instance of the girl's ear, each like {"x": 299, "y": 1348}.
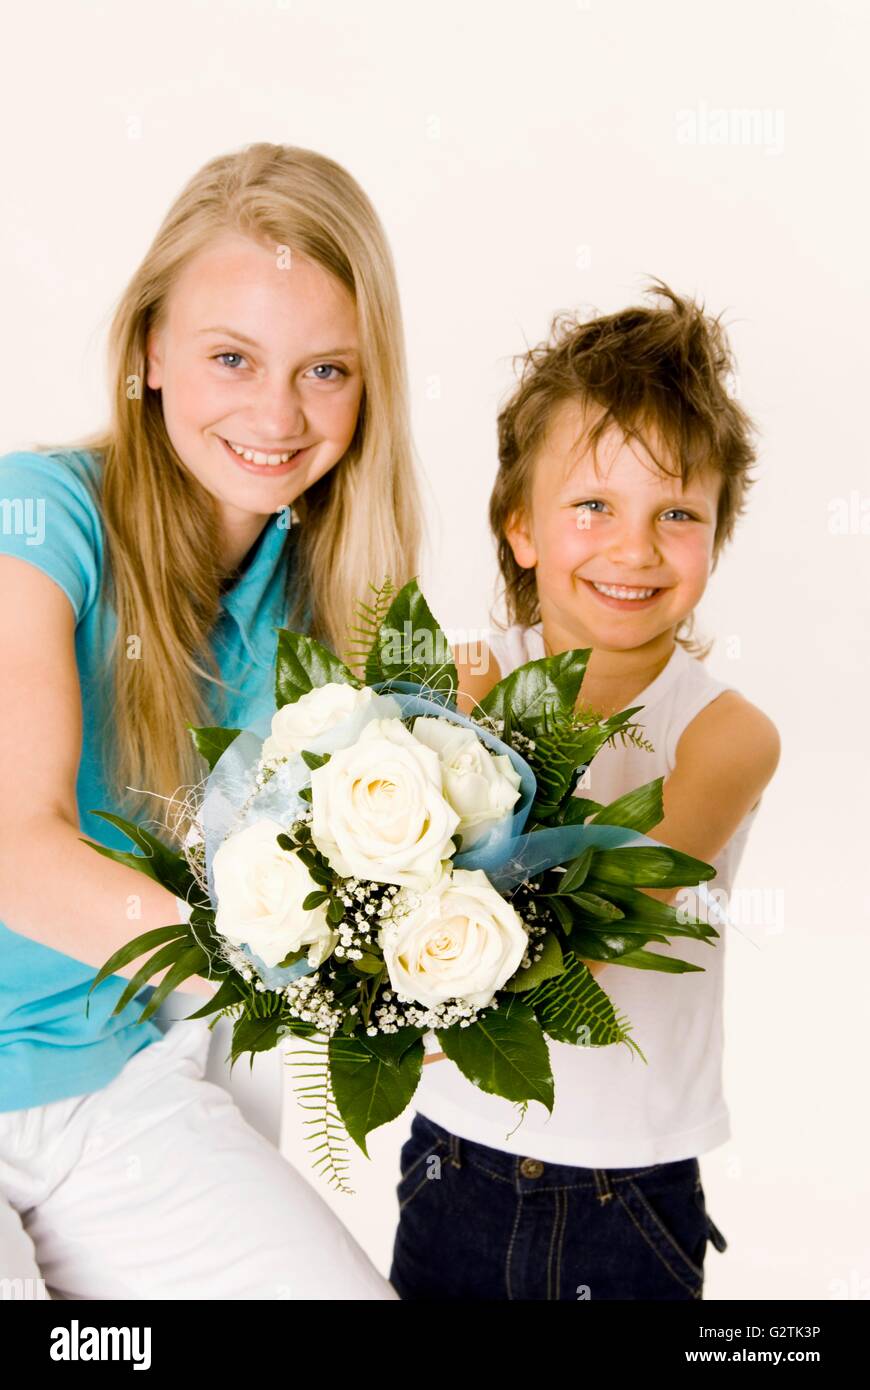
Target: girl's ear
{"x": 154, "y": 360}
{"x": 519, "y": 538}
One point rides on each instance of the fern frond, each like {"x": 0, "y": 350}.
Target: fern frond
{"x": 363, "y": 634}
{"x": 315, "y": 1094}
{"x": 632, "y": 733}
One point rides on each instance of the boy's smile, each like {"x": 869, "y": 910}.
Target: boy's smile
{"x": 622, "y": 552}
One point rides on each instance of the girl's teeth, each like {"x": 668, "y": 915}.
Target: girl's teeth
{"x": 253, "y": 456}
{"x": 620, "y": 591}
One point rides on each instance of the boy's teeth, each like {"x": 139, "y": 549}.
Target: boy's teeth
{"x": 254, "y": 456}
{"x": 621, "y": 591}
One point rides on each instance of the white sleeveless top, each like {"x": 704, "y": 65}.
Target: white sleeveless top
{"x": 611, "y": 1109}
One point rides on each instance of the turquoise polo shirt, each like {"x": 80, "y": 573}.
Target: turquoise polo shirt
{"x": 49, "y": 516}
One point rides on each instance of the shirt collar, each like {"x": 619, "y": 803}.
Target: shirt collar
{"x": 256, "y": 602}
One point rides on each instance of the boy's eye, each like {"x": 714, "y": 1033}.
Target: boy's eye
{"x": 678, "y": 510}
{"x": 591, "y": 502}
{"x": 221, "y": 355}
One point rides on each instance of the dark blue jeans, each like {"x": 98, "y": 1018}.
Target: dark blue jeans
{"x": 479, "y": 1223}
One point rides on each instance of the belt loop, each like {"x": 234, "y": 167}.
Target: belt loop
{"x": 605, "y": 1191}
{"x": 455, "y": 1152}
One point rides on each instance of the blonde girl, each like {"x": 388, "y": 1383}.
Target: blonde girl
{"x": 256, "y": 473}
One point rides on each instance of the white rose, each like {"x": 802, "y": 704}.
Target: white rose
{"x": 379, "y": 811}
{"x": 482, "y": 787}
{"x": 461, "y": 940}
{"x": 260, "y": 888}
{"x": 299, "y": 725}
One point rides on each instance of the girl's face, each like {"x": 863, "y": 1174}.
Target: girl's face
{"x": 260, "y": 358}
{"x": 600, "y": 541}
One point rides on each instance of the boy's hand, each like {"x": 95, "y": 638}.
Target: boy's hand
{"x": 433, "y": 1057}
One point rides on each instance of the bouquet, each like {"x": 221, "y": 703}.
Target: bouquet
{"x": 371, "y": 867}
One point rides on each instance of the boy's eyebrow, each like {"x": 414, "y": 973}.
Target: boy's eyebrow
{"x": 593, "y": 486}
{"x": 251, "y": 342}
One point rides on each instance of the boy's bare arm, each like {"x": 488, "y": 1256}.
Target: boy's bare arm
{"x": 724, "y": 760}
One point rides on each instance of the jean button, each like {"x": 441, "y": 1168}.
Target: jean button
{"x": 531, "y": 1167}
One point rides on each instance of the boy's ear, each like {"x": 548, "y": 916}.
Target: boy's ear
{"x": 518, "y": 536}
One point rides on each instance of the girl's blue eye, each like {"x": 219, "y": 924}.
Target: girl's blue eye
{"x": 592, "y": 502}
{"x": 221, "y": 355}
{"x": 329, "y": 367}
{"x": 677, "y": 509}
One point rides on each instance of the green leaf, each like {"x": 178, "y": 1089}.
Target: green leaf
{"x": 193, "y": 962}
{"x": 212, "y": 743}
{"x": 302, "y": 664}
{"x": 575, "y": 810}
{"x": 651, "y": 960}
{"x": 391, "y": 1047}
{"x": 369, "y": 1092}
{"x": 335, "y": 912}
{"x": 167, "y": 867}
{"x": 573, "y": 1008}
{"x": 313, "y": 760}
{"x": 575, "y": 872}
{"x": 368, "y": 965}
{"x": 638, "y": 810}
{"x": 292, "y": 957}
{"x": 312, "y": 900}
{"x": 532, "y": 691}
{"x": 411, "y": 646}
{"x": 256, "y": 1035}
{"x": 649, "y": 866}
{"x": 640, "y": 907}
{"x": 627, "y": 949}
{"x": 168, "y": 955}
{"x": 137, "y": 947}
{"x": 230, "y": 993}
{"x": 561, "y": 910}
{"x": 549, "y": 964}
{"x": 504, "y": 1053}
{"x": 594, "y": 905}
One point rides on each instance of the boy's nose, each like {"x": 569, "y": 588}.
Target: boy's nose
{"x": 634, "y": 547}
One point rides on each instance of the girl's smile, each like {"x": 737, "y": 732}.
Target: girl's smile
{"x": 255, "y": 460}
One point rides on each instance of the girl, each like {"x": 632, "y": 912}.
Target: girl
{"x": 251, "y": 477}
{"x": 622, "y": 468}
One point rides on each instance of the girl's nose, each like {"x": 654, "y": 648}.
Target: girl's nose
{"x": 280, "y": 413}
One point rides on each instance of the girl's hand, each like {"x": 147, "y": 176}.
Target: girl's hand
{"x": 433, "y": 1057}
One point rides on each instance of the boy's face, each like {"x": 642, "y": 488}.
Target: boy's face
{"x": 626, "y": 528}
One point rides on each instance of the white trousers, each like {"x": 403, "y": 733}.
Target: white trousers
{"x": 156, "y": 1187}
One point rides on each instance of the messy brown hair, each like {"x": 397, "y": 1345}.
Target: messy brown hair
{"x": 665, "y": 371}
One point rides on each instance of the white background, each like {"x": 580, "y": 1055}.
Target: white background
{"x": 524, "y": 159}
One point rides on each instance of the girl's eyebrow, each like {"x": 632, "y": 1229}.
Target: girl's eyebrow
{"x": 251, "y": 342}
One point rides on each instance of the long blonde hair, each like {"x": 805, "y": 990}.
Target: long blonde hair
{"x": 357, "y": 524}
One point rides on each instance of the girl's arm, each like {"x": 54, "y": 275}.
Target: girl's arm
{"x": 54, "y": 888}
